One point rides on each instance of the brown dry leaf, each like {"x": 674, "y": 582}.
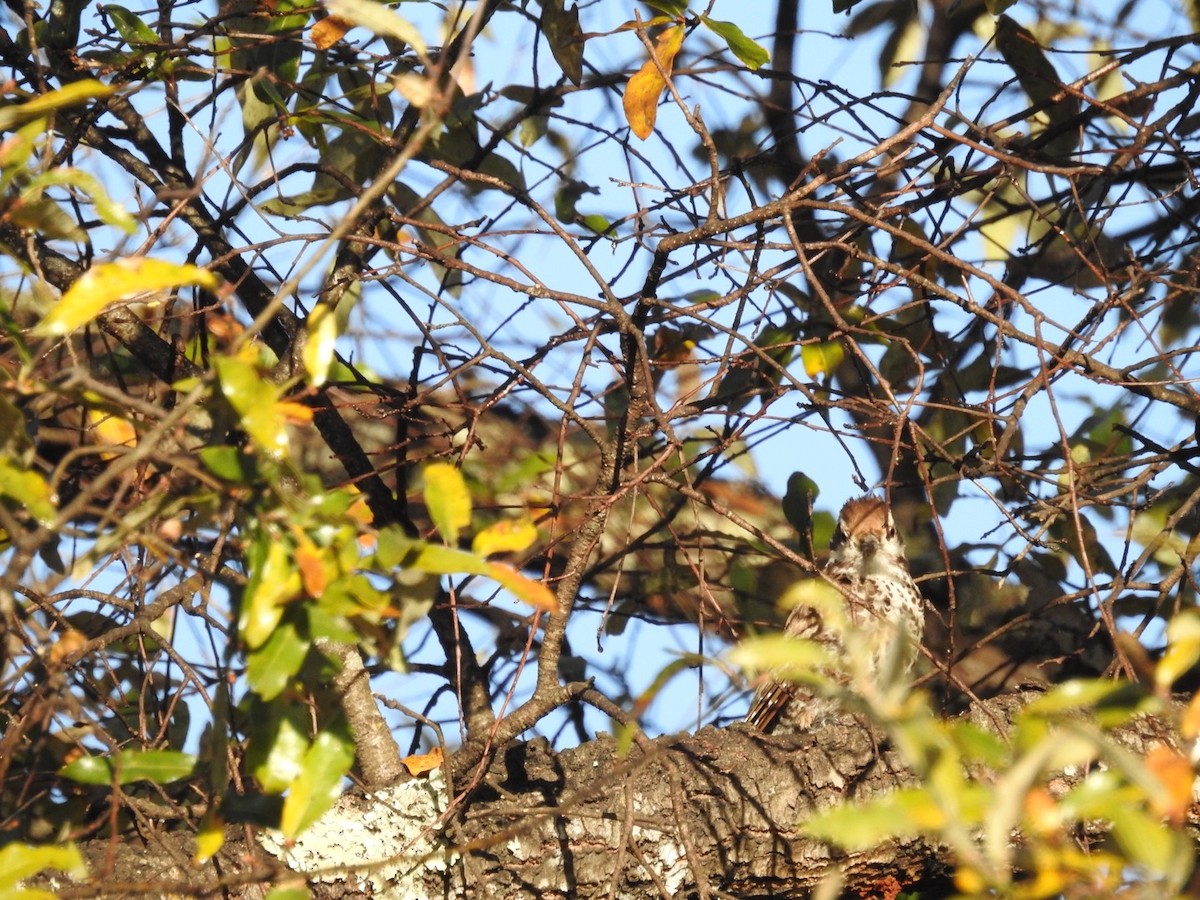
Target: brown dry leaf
{"x": 420, "y": 763}
{"x": 329, "y": 31}
{"x": 644, "y": 88}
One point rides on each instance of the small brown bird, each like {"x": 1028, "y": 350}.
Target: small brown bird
{"x": 867, "y": 564}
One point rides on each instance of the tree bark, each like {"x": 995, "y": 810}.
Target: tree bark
{"x": 714, "y": 814}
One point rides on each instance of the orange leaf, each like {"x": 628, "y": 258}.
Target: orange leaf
{"x": 1175, "y": 773}
{"x": 532, "y": 592}
{"x": 644, "y": 88}
{"x": 423, "y": 762}
{"x": 329, "y": 31}
{"x": 1189, "y": 727}
{"x": 312, "y": 568}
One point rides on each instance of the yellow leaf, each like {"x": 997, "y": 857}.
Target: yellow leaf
{"x": 108, "y": 283}
{"x": 209, "y": 839}
{"x": 111, "y": 431}
{"x": 532, "y": 592}
{"x": 644, "y": 88}
{"x": 508, "y": 536}
{"x": 419, "y": 763}
{"x": 448, "y": 500}
{"x": 322, "y": 335}
{"x": 277, "y": 584}
{"x": 821, "y": 358}
{"x": 1183, "y": 649}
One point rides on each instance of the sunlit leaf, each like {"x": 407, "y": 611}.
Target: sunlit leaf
{"x": 781, "y": 654}
{"x": 210, "y": 838}
{"x": 753, "y": 54}
{"x": 420, "y": 763}
{"x": 321, "y": 330}
{"x": 278, "y": 746}
{"x": 523, "y": 588}
{"x": 29, "y": 489}
{"x": 15, "y": 114}
{"x": 645, "y": 87}
{"x": 319, "y": 783}
{"x": 254, "y": 399}
{"x": 270, "y": 668}
{"x": 378, "y": 18}
{"x": 273, "y": 583}
{"x": 19, "y": 862}
{"x": 448, "y": 500}
{"x": 505, "y": 536}
{"x": 1183, "y": 648}
{"x": 860, "y": 826}
{"x": 328, "y": 31}
{"x": 821, "y": 358}
{"x": 108, "y": 283}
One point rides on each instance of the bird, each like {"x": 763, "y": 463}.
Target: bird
{"x": 868, "y": 567}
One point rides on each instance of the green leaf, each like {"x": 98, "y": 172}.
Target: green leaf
{"x": 439, "y": 560}
{"x": 448, "y": 500}
{"x": 229, "y": 463}
{"x": 668, "y": 7}
{"x": 319, "y": 346}
{"x": 280, "y": 893}
{"x": 253, "y": 398}
{"x": 270, "y": 668}
{"x": 822, "y": 358}
{"x": 1039, "y": 79}
{"x": 278, "y": 744}
{"x": 753, "y": 54}
{"x": 274, "y": 582}
{"x": 29, "y": 489}
{"x": 787, "y": 656}
{"x": 21, "y": 861}
{"x": 860, "y": 826}
{"x": 798, "y": 501}
{"x": 127, "y": 766}
{"x": 320, "y": 781}
{"x": 1112, "y": 702}
{"x": 129, "y": 26}
{"x": 112, "y": 213}
{"x": 108, "y": 283}
{"x": 15, "y": 114}
{"x": 561, "y": 29}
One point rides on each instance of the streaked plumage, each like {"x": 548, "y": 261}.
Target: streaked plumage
{"x": 867, "y": 564}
